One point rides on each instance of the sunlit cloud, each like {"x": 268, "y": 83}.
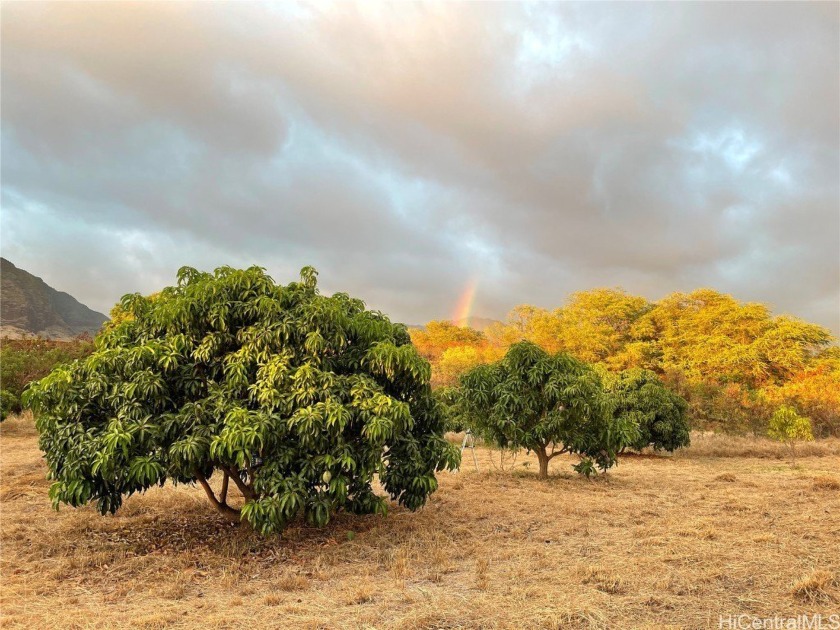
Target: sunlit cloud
{"x": 407, "y": 150}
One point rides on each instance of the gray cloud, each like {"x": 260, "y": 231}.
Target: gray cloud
{"x": 406, "y": 149}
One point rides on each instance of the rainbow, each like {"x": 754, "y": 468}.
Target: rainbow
{"x": 465, "y": 303}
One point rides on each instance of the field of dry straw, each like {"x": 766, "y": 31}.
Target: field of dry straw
{"x": 728, "y": 527}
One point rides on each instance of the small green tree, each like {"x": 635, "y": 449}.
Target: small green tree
{"x": 786, "y": 425}
{"x": 661, "y": 415}
{"x": 549, "y": 404}
{"x": 295, "y": 398}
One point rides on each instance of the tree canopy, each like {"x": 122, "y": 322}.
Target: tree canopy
{"x": 296, "y": 398}
{"x": 438, "y": 336}
{"x": 788, "y": 426}
{"x": 639, "y": 396}
{"x": 546, "y": 403}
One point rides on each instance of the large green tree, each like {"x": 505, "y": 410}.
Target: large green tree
{"x": 661, "y": 415}
{"x": 295, "y": 398}
{"x": 546, "y": 403}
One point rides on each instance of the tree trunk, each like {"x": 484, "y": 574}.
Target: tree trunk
{"x": 232, "y": 514}
{"x": 543, "y": 458}
{"x": 223, "y": 493}
{"x": 246, "y": 490}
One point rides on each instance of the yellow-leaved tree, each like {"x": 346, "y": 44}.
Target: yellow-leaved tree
{"x": 734, "y": 362}
{"x": 789, "y": 427}
{"x": 438, "y": 336}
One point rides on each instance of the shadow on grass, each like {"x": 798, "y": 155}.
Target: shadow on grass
{"x": 155, "y": 529}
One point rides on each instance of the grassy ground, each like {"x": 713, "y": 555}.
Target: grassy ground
{"x": 728, "y": 527}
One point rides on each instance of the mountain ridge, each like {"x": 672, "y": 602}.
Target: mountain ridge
{"x": 476, "y": 323}
{"x": 31, "y": 307}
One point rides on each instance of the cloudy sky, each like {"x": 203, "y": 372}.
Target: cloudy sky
{"x": 409, "y": 150}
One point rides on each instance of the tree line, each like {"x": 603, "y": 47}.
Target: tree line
{"x": 734, "y": 363}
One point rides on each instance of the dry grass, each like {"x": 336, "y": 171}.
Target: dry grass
{"x": 819, "y": 586}
{"x": 659, "y": 542}
{"x": 825, "y": 482}
{"x": 718, "y": 445}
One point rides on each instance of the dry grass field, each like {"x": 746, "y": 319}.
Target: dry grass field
{"x": 727, "y": 527}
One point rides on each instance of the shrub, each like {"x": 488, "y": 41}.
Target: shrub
{"x": 640, "y": 397}
{"x": 295, "y": 398}
{"x": 9, "y": 404}
{"x": 25, "y": 360}
{"x": 540, "y": 401}
{"x": 788, "y": 426}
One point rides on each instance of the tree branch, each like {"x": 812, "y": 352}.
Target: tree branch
{"x": 246, "y": 490}
{"x": 556, "y": 453}
{"x": 223, "y": 508}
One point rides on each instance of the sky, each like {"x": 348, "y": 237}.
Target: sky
{"x": 415, "y": 152}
